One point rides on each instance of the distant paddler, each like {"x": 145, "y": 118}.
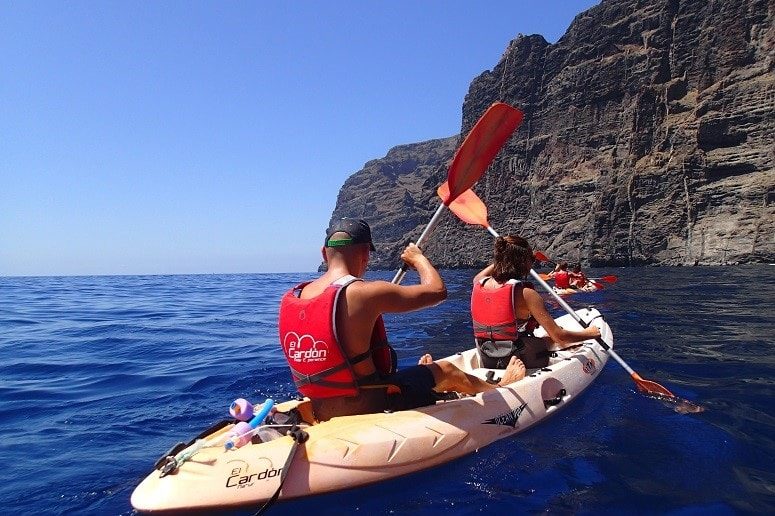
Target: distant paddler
{"x": 561, "y": 276}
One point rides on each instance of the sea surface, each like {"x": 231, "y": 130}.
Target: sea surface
{"x": 100, "y": 375}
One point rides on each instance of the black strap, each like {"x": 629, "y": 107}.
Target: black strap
{"x": 360, "y": 358}
{"x": 481, "y": 329}
{"x": 303, "y": 379}
{"x": 299, "y": 436}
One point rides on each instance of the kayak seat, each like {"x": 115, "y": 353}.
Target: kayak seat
{"x": 495, "y": 354}
{"x": 371, "y": 399}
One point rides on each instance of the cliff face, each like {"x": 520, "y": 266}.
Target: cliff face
{"x": 649, "y": 137}
{"x": 394, "y": 195}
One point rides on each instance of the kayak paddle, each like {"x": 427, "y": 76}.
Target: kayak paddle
{"x": 472, "y": 158}
{"x": 470, "y": 209}
{"x": 538, "y": 254}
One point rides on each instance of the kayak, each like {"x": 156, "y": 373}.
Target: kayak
{"x": 352, "y": 451}
{"x": 588, "y": 287}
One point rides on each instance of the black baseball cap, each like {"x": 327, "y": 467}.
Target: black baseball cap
{"x": 358, "y": 230}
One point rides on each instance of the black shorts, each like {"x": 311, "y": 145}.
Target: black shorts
{"x": 416, "y": 384}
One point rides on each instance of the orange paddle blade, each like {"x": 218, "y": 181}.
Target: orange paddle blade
{"x": 538, "y": 255}
{"x": 480, "y": 147}
{"x": 610, "y": 279}
{"x": 651, "y": 388}
{"x": 467, "y": 206}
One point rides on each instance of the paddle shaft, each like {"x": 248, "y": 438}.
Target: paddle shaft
{"x": 472, "y": 159}
{"x": 579, "y": 320}
{"x": 420, "y": 241}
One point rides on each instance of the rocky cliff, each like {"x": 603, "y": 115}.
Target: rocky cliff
{"x": 648, "y": 139}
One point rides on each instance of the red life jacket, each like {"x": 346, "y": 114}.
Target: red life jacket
{"x": 562, "y": 279}
{"x": 492, "y": 311}
{"x": 497, "y": 330}
{"x": 319, "y": 365}
{"x": 578, "y": 279}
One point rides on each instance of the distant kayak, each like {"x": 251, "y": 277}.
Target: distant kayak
{"x": 588, "y": 287}
{"x": 207, "y": 474}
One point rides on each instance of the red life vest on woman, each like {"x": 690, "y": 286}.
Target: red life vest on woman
{"x": 319, "y": 365}
{"x": 562, "y": 279}
{"x": 496, "y": 327}
{"x": 492, "y": 311}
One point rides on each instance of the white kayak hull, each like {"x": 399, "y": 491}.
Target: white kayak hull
{"x": 589, "y": 287}
{"x": 352, "y": 451}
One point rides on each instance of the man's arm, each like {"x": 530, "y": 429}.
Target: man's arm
{"x": 382, "y": 296}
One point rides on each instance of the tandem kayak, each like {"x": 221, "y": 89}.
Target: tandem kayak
{"x": 352, "y": 451}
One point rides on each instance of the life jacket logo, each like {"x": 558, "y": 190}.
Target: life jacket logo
{"x": 508, "y": 419}
{"x": 241, "y": 476}
{"x": 305, "y": 348}
{"x": 590, "y": 366}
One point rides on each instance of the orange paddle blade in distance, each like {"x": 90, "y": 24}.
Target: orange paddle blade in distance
{"x": 610, "y": 279}
{"x": 467, "y": 206}
{"x": 538, "y": 255}
{"x": 480, "y": 147}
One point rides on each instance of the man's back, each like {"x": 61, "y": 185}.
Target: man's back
{"x": 355, "y": 318}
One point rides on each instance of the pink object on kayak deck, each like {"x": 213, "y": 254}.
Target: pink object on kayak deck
{"x": 240, "y": 435}
{"x": 241, "y": 409}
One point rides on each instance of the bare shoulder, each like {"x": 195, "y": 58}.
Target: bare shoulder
{"x": 533, "y": 300}
{"x": 372, "y": 289}
{"x": 531, "y": 294}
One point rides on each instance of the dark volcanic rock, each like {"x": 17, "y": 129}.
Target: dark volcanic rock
{"x": 396, "y": 195}
{"x": 648, "y": 139}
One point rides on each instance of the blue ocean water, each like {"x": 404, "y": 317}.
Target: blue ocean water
{"x": 99, "y": 376}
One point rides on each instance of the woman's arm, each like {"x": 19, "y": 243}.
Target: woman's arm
{"x": 487, "y": 271}
{"x": 535, "y": 304}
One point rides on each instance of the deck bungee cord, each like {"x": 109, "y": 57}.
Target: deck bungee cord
{"x": 237, "y": 437}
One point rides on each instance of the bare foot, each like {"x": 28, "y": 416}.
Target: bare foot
{"x": 514, "y": 372}
{"x": 426, "y": 359}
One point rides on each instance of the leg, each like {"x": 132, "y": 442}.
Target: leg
{"x": 449, "y": 378}
{"x": 425, "y": 360}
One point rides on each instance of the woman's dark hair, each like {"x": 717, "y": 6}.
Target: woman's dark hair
{"x": 512, "y": 257}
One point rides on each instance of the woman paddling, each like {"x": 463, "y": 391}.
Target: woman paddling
{"x": 506, "y": 309}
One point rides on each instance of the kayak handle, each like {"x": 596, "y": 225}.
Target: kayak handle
{"x": 556, "y": 400}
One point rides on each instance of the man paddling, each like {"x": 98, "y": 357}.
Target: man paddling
{"x": 333, "y": 337}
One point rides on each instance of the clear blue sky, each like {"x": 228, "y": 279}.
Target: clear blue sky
{"x": 198, "y": 137}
